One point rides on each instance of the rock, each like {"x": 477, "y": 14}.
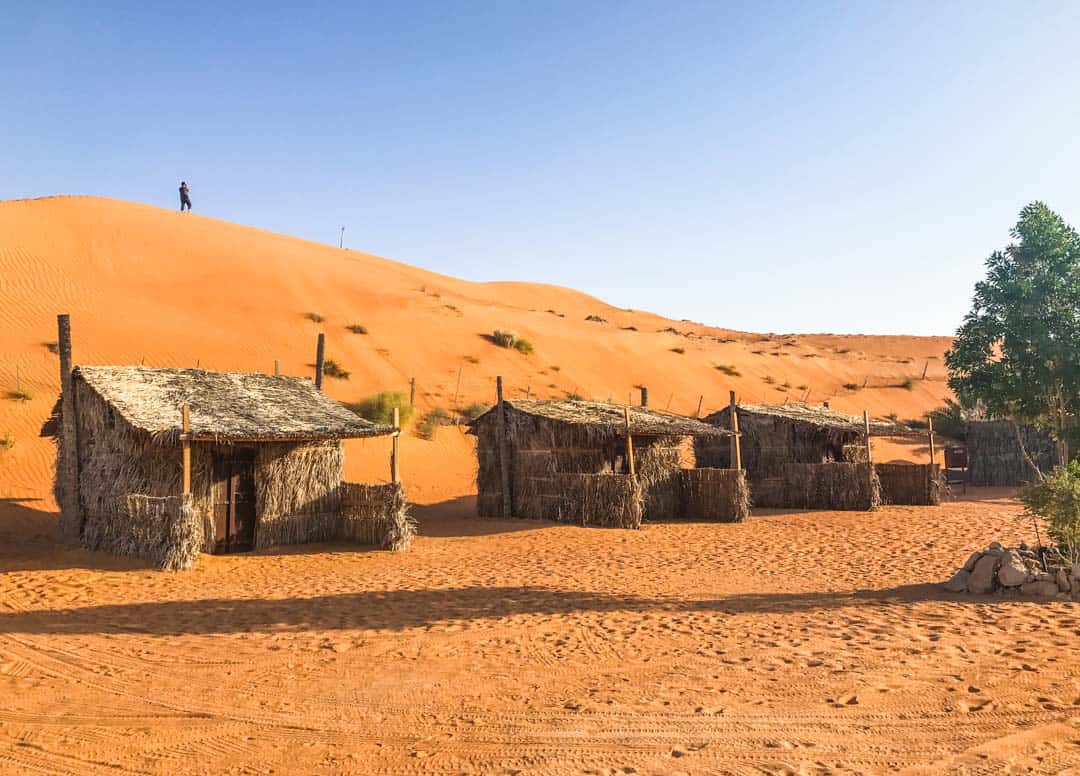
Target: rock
{"x": 982, "y": 577}
{"x": 1013, "y": 571}
{"x": 1041, "y": 588}
{"x": 1023, "y": 546}
{"x": 959, "y": 581}
{"x": 970, "y": 565}
{"x": 1045, "y": 576}
{"x": 995, "y": 547}
{"x": 1075, "y": 573}
{"x": 1063, "y": 581}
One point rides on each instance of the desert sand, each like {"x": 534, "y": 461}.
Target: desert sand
{"x": 795, "y": 642}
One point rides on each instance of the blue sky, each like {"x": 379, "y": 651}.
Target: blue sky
{"x": 840, "y": 167}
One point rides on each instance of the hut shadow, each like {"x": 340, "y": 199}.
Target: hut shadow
{"x": 457, "y": 517}
{"x": 395, "y": 610}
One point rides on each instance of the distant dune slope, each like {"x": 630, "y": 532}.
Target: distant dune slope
{"x": 147, "y": 285}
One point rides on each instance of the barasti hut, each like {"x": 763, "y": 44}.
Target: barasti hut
{"x": 800, "y": 456}
{"x": 165, "y": 463}
{"x": 1005, "y": 453}
{"x": 599, "y": 464}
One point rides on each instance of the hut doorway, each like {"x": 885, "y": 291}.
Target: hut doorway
{"x": 234, "y": 500}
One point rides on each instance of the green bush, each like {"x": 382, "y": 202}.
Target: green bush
{"x": 379, "y": 408}
{"x": 1057, "y": 498}
{"x": 951, "y": 420}
{"x": 523, "y": 346}
{"x": 431, "y": 420}
{"x": 508, "y": 339}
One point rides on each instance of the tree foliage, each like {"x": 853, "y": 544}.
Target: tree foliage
{"x": 1057, "y": 498}
{"x": 1017, "y": 353}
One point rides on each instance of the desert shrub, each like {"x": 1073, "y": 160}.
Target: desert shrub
{"x": 20, "y": 394}
{"x": 785, "y": 385}
{"x": 1057, "y": 499}
{"x": 7, "y": 441}
{"x": 555, "y": 368}
{"x": 472, "y": 360}
{"x": 379, "y": 407}
{"x": 356, "y": 328}
{"x": 595, "y": 319}
{"x": 314, "y": 317}
{"x": 430, "y": 421}
{"x": 852, "y": 386}
{"x": 575, "y": 397}
{"x": 52, "y": 347}
{"x": 332, "y": 368}
{"x": 768, "y": 380}
{"x": 893, "y": 417}
{"x": 523, "y": 346}
{"x": 951, "y": 420}
{"x": 729, "y": 370}
{"x": 907, "y": 384}
{"x": 802, "y": 387}
{"x": 474, "y": 410}
{"x": 680, "y": 351}
{"x": 629, "y": 328}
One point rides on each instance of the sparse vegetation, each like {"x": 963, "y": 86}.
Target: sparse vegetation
{"x": 1057, "y": 499}
{"x": 785, "y": 385}
{"x": 595, "y": 319}
{"x": 332, "y": 368}
{"x": 52, "y": 347}
{"x": 474, "y": 410}
{"x": 769, "y": 380}
{"x": 802, "y": 387}
{"x": 472, "y": 360}
{"x": 7, "y": 441}
{"x": 379, "y": 408}
{"x": 555, "y": 368}
{"x": 509, "y": 339}
{"x": 20, "y": 394}
{"x": 907, "y": 384}
{"x": 356, "y": 328}
{"x": 430, "y": 422}
{"x": 951, "y": 420}
{"x": 680, "y": 351}
{"x": 314, "y": 317}
{"x": 852, "y": 387}
{"x": 629, "y": 328}
{"x": 893, "y": 417}
{"x": 523, "y": 346}
{"x": 575, "y": 396}
{"x": 729, "y": 370}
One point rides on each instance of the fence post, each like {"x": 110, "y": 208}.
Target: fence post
{"x": 736, "y": 445}
{"x": 320, "y": 352}
{"x": 395, "y": 475}
{"x": 68, "y": 476}
{"x": 412, "y": 391}
{"x": 866, "y": 433}
{"x": 930, "y": 433}
{"x": 644, "y": 396}
{"x": 701, "y": 398}
{"x": 185, "y": 426}
{"x": 629, "y": 443}
{"x": 504, "y": 455}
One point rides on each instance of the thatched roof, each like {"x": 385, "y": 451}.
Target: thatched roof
{"x": 644, "y": 422}
{"x": 226, "y": 407}
{"x": 814, "y": 415}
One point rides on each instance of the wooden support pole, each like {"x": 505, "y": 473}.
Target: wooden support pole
{"x": 930, "y": 433}
{"x": 277, "y": 368}
{"x": 825, "y": 404}
{"x": 320, "y": 354}
{"x": 395, "y": 474}
{"x": 504, "y": 453}
{"x": 631, "y": 469}
{"x": 866, "y": 434}
{"x": 644, "y": 396}
{"x": 528, "y": 392}
{"x": 701, "y": 399}
{"x": 185, "y": 426}
{"x": 412, "y": 391}
{"x": 736, "y": 442}
{"x": 68, "y": 476}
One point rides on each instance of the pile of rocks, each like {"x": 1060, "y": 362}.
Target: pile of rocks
{"x": 1016, "y": 569}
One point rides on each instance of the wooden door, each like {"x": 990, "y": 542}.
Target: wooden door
{"x": 234, "y": 500}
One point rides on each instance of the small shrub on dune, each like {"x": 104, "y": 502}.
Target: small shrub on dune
{"x": 7, "y": 441}
{"x": 20, "y": 394}
{"x": 907, "y": 384}
{"x": 314, "y": 317}
{"x": 356, "y": 328}
{"x": 332, "y": 368}
{"x": 852, "y": 387}
{"x": 52, "y": 347}
{"x": 431, "y": 420}
{"x": 769, "y": 380}
{"x": 680, "y": 351}
{"x": 474, "y": 410}
{"x": 379, "y": 408}
{"x": 574, "y": 397}
{"x": 729, "y": 370}
{"x": 523, "y": 346}
{"x": 472, "y": 360}
{"x": 509, "y": 339}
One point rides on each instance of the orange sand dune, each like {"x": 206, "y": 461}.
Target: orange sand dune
{"x": 146, "y": 285}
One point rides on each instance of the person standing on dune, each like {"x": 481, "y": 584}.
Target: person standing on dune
{"x": 185, "y": 197}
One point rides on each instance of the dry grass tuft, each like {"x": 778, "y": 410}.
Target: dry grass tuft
{"x": 729, "y": 370}
{"x": 314, "y": 317}
{"x": 19, "y": 394}
{"x": 356, "y": 328}
{"x": 379, "y": 408}
{"x": 332, "y": 368}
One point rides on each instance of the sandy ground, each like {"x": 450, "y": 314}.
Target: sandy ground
{"x": 793, "y": 643}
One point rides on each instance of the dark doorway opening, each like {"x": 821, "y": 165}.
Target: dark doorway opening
{"x": 234, "y": 500}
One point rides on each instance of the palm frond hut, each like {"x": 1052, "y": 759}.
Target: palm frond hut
{"x": 996, "y": 452}
{"x": 802, "y": 456}
{"x": 259, "y": 464}
{"x": 567, "y": 461}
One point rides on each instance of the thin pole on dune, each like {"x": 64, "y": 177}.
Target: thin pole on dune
{"x": 341, "y": 239}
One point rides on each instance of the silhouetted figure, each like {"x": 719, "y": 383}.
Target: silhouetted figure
{"x": 185, "y": 197}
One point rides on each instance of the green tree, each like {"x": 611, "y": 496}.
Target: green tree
{"x": 1017, "y": 353}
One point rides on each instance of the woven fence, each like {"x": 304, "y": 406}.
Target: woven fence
{"x": 720, "y": 495}
{"x": 910, "y": 484}
{"x": 376, "y": 515}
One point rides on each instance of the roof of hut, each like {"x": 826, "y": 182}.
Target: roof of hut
{"x": 815, "y": 415}
{"x": 643, "y": 421}
{"x": 232, "y": 407}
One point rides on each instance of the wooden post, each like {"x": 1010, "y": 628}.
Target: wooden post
{"x": 320, "y": 353}
{"x": 825, "y": 404}
{"x": 644, "y": 396}
{"x": 701, "y": 398}
{"x": 504, "y": 455}
{"x": 412, "y": 391}
{"x": 457, "y": 388}
{"x": 528, "y": 392}
{"x": 736, "y": 444}
{"x": 185, "y": 426}
{"x": 629, "y": 444}
{"x": 68, "y": 476}
{"x": 866, "y": 433}
{"x": 925, "y": 367}
{"x": 930, "y": 433}
{"x": 395, "y": 475}
{"x": 277, "y": 368}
